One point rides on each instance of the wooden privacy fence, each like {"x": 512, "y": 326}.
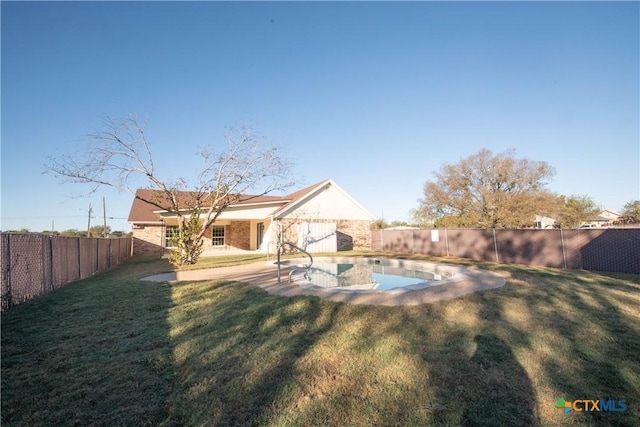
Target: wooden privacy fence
{"x": 615, "y": 250}
{"x": 34, "y": 264}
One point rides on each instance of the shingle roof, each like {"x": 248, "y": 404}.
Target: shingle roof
{"x": 143, "y": 212}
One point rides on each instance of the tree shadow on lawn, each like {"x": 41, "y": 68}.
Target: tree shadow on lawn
{"x": 235, "y": 348}
{"x": 594, "y": 327}
{"x": 498, "y": 357}
{"x": 578, "y": 331}
{"x": 502, "y": 394}
{"x": 92, "y": 353}
{"x": 504, "y": 357}
{"x": 474, "y": 375}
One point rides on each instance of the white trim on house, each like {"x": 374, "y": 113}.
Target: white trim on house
{"x": 325, "y": 185}
{"x": 324, "y": 202}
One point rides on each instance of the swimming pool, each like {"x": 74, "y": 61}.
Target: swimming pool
{"x": 373, "y": 275}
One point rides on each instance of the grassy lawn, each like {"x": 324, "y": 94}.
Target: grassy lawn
{"x": 114, "y": 350}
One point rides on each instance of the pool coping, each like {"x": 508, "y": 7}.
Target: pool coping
{"x": 264, "y": 275}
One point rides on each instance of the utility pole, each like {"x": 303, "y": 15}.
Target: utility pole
{"x": 89, "y": 222}
{"x": 104, "y": 214}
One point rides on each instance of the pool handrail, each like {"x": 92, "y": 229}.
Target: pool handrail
{"x": 281, "y": 245}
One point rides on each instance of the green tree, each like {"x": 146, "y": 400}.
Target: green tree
{"x": 577, "y": 209}
{"x": 120, "y": 156}
{"x": 379, "y": 224}
{"x": 73, "y": 232}
{"x": 98, "y": 231}
{"x": 187, "y": 238}
{"x": 486, "y": 190}
{"x": 631, "y": 211}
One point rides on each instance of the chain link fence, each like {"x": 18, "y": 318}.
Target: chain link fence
{"x": 34, "y": 264}
{"x": 613, "y": 250}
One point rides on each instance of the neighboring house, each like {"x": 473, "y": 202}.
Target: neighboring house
{"x": 543, "y": 222}
{"x": 318, "y": 218}
{"x": 605, "y": 218}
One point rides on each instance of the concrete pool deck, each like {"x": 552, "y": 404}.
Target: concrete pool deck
{"x": 265, "y": 276}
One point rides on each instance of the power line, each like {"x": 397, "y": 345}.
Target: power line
{"x": 57, "y": 216}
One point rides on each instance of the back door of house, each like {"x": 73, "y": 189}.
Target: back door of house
{"x": 260, "y": 234}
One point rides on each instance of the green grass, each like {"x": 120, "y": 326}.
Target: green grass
{"x": 115, "y": 350}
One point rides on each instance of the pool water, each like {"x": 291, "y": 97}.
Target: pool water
{"x": 374, "y": 275}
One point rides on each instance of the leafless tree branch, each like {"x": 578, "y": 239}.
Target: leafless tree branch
{"x": 120, "y": 154}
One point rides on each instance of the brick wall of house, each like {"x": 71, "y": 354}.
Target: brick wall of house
{"x": 352, "y": 234}
{"x": 148, "y": 240}
{"x": 239, "y": 235}
{"x": 355, "y": 235}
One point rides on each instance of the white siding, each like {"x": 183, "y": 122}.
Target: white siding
{"x": 318, "y": 237}
{"x": 270, "y": 239}
{"x": 330, "y": 203}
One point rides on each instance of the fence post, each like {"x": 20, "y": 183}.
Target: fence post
{"x": 9, "y": 281}
{"x": 381, "y": 240}
{"x": 79, "y": 259}
{"x": 564, "y": 255}
{"x": 53, "y": 282}
{"x": 495, "y": 244}
{"x": 446, "y": 240}
{"x": 97, "y": 255}
{"x": 43, "y": 258}
{"x": 413, "y": 241}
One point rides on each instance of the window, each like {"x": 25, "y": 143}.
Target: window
{"x": 169, "y": 232}
{"x": 217, "y": 235}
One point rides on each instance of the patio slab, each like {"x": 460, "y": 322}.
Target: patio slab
{"x": 265, "y": 276}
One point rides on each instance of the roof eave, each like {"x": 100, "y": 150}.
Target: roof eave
{"x": 279, "y": 214}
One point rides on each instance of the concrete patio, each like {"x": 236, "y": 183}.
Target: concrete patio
{"x": 265, "y": 276}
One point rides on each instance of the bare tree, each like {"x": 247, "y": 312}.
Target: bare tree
{"x": 120, "y": 156}
{"x": 486, "y": 190}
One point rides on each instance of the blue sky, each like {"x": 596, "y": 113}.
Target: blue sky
{"x": 376, "y": 96}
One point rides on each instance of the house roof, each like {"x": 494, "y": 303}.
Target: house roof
{"x": 143, "y": 212}
{"x": 302, "y": 196}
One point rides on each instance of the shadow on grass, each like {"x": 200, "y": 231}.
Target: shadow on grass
{"x": 598, "y": 343}
{"x": 503, "y": 394}
{"x": 116, "y": 350}
{"x": 577, "y": 330}
{"x": 236, "y": 349}
{"x": 500, "y": 357}
{"x": 92, "y": 353}
{"x": 464, "y": 375}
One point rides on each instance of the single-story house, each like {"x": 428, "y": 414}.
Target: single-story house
{"x": 604, "y": 219}
{"x": 543, "y": 222}
{"x": 318, "y": 218}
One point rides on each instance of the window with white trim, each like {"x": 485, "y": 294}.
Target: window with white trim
{"x": 217, "y": 235}
{"x": 169, "y": 232}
